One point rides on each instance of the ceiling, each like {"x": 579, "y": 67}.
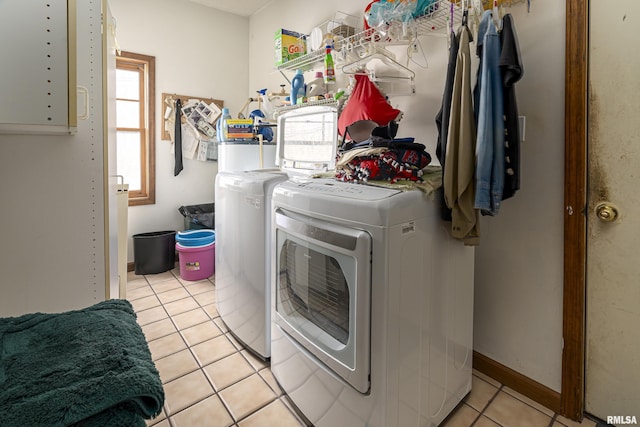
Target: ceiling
{"x": 237, "y": 7}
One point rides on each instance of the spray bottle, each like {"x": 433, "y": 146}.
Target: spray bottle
{"x": 266, "y": 106}
{"x": 329, "y": 70}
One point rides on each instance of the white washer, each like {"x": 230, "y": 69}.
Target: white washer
{"x": 306, "y": 144}
{"x": 243, "y": 235}
{"x": 372, "y": 305}
{"x": 245, "y": 156}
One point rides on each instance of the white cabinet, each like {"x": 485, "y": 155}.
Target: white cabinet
{"x": 59, "y": 214}
{"x": 38, "y": 66}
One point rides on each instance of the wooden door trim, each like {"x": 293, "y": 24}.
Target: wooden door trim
{"x": 575, "y": 218}
{"x": 518, "y": 382}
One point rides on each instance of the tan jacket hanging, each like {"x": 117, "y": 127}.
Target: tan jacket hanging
{"x": 459, "y": 189}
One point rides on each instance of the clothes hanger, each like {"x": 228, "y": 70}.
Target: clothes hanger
{"x": 465, "y": 19}
{"x": 465, "y": 13}
{"x": 358, "y": 67}
{"x": 478, "y": 7}
{"x": 497, "y": 19}
{"x": 384, "y": 56}
{"x": 451, "y": 18}
{"x": 416, "y": 47}
{"x": 450, "y": 24}
{"x": 474, "y": 9}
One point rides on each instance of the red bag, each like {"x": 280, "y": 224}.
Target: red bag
{"x": 366, "y": 103}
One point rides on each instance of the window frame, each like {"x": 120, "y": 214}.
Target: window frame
{"x": 145, "y": 65}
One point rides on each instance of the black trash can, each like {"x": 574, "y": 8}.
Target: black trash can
{"x": 198, "y": 216}
{"x": 154, "y": 252}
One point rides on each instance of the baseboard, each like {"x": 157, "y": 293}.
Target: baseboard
{"x": 518, "y": 382}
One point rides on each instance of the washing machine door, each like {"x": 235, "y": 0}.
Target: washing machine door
{"x": 323, "y": 292}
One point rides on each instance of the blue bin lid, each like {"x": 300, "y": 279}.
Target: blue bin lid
{"x": 196, "y": 237}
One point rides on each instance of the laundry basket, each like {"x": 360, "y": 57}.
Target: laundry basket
{"x": 196, "y": 254}
{"x": 196, "y": 237}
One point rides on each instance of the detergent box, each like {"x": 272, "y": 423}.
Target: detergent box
{"x": 288, "y": 45}
{"x": 240, "y": 129}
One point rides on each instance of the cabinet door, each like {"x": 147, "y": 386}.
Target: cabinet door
{"x": 38, "y": 66}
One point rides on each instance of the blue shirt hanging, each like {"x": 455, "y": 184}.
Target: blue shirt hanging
{"x": 490, "y": 126}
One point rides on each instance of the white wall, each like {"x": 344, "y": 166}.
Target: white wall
{"x": 519, "y": 267}
{"x": 199, "y": 51}
{"x": 518, "y": 302}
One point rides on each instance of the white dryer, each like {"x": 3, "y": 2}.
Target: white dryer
{"x": 306, "y": 144}
{"x": 372, "y": 305}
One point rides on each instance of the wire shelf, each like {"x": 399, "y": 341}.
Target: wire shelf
{"x": 330, "y": 102}
{"x": 304, "y": 62}
{"x": 437, "y": 19}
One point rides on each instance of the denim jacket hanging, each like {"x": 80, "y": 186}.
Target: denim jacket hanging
{"x": 490, "y": 127}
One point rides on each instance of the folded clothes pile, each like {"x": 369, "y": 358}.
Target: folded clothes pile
{"x": 381, "y": 157}
{"x": 366, "y": 164}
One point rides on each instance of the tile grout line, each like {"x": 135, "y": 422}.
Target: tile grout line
{"x": 166, "y": 413}
{"x": 256, "y": 369}
{"x": 554, "y": 416}
{"x": 200, "y": 367}
{"x": 486, "y": 406}
{"x": 168, "y": 417}
{"x": 256, "y": 410}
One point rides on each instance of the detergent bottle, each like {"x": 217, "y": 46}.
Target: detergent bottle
{"x": 297, "y": 87}
{"x": 221, "y": 127}
{"x": 316, "y": 87}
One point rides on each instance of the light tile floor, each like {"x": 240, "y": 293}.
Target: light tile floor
{"x": 211, "y": 380}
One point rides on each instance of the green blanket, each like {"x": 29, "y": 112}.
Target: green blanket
{"x": 89, "y": 367}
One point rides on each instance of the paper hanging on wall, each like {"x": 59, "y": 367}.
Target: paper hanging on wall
{"x": 189, "y": 143}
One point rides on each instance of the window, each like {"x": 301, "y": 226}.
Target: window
{"x": 135, "y": 129}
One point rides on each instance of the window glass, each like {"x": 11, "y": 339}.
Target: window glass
{"x": 127, "y": 114}
{"x": 313, "y": 286}
{"x": 129, "y": 158}
{"x": 128, "y": 86}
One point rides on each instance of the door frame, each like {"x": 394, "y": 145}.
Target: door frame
{"x": 575, "y": 208}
